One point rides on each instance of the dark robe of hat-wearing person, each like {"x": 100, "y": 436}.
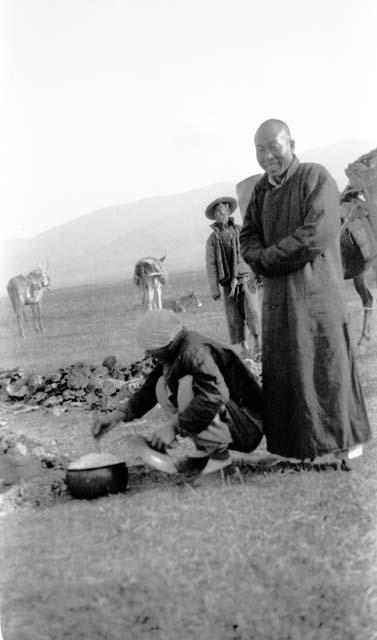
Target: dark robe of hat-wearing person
{"x": 227, "y": 270}
{"x": 313, "y": 400}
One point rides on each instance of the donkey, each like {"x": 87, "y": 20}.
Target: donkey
{"x": 181, "y": 304}
{"x": 355, "y": 262}
{"x": 359, "y": 252}
{"x": 149, "y": 275}
{"x": 27, "y": 291}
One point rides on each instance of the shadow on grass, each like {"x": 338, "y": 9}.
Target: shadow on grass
{"x": 47, "y": 488}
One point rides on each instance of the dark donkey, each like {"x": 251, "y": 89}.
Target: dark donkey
{"x": 27, "y": 291}
{"x": 358, "y": 244}
{"x": 184, "y": 302}
{"x": 359, "y": 203}
{"x": 358, "y": 241}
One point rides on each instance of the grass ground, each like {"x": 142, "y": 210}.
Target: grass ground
{"x": 282, "y": 555}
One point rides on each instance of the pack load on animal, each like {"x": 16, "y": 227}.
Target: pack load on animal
{"x": 359, "y": 213}
{"x": 362, "y": 175}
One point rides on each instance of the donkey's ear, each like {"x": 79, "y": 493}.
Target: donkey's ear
{"x": 163, "y": 257}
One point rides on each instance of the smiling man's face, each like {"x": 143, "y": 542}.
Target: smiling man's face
{"x": 274, "y": 149}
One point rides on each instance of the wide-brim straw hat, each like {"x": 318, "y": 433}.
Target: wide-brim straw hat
{"x": 227, "y": 199}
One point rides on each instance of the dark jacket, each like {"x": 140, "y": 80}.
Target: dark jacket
{"x": 220, "y": 378}
{"x": 313, "y": 402}
{"x": 219, "y": 270}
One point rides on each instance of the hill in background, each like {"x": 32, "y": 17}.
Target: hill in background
{"x": 104, "y": 245}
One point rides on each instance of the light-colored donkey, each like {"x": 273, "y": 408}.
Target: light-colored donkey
{"x": 27, "y": 291}
{"x": 149, "y": 275}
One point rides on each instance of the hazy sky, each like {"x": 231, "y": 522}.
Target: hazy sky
{"x": 105, "y": 102}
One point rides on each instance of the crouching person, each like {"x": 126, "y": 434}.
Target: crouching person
{"x": 204, "y": 388}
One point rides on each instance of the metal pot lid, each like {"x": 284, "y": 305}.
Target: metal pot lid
{"x": 94, "y": 461}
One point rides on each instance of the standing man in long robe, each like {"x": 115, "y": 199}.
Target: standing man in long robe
{"x": 313, "y": 401}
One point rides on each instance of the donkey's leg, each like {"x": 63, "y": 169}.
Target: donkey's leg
{"x": 16, "y": 297}
{"x": 20, "y": 323}
{"x": 144, "y": 295}
{"x": 157, "y": 292}
{"x": 367, "y": 300}
{"x": 150, "y": 294}
{"x": 34, "y": 316}
{"x": 39, "y": 318}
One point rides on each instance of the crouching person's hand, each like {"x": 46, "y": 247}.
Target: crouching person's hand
{"x": 105, "y": 423}
{"x": 163, "y": 436}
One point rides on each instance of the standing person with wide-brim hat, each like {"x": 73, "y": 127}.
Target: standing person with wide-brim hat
{"x": 229, "y": 274}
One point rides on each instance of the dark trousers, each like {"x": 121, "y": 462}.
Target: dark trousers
{"x": 241, "y": 311}
{"x": 213, "y": 441}
{"x": 216, "y": 440}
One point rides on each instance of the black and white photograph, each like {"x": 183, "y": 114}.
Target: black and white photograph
{"x": 188, "y": 334}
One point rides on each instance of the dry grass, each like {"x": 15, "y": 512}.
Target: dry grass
{"x": 286, "y": 554}
{"x": 170, "y": 561}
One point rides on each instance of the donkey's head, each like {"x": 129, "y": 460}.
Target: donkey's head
{"x": 40, "y": 277}
{"x": 193, "y": 299}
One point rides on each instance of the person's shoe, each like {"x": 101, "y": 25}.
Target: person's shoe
{"x": 214, "y": 472}
{"x": 215, "y": 479}
{"x": 214, "y": 465}
{"x": 221, "y": 474}
{"x": 346, "y": 455}
{"x": 268, "y": 460}
{"x": 198, "y": 453}
{"x": 192, "y": 464}
{"x": 351, "y": 453}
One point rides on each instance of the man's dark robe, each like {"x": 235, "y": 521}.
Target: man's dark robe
{"x": 313, "y": 402}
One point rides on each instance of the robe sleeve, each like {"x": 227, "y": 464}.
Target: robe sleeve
{"x": 321, "y": 220}
{"x": 252, "y": 242}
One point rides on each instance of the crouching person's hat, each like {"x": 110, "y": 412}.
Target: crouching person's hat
{"x": 232, "y": 202}
{"x": 157, "y": 329}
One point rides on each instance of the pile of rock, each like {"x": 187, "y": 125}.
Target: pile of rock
{"x": 80, "y": 384}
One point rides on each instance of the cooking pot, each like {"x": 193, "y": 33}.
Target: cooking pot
{"x": 95, "y": 475}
